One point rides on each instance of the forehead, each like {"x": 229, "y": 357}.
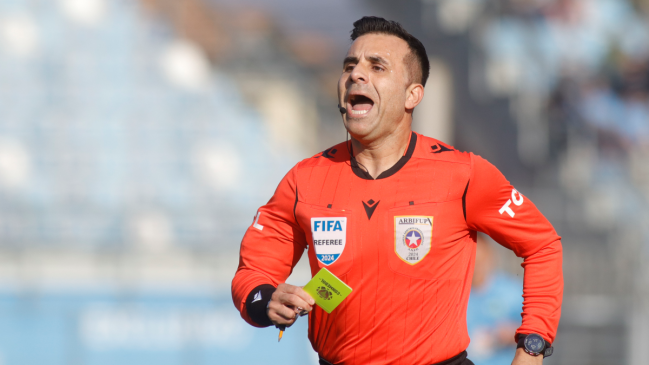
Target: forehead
{"x": 376, "y": 44}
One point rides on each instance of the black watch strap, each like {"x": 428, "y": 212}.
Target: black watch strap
{"x": 546, "y": 351}
{"x": 257, "y": 303}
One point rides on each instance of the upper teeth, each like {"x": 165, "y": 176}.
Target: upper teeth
{"x": 359, "y": 111}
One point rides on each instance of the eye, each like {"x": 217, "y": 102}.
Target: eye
{"x": 348, "y": 68}
{"x": 377, "y": 68}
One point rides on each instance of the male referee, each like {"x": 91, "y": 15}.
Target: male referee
{"x": 402, "y": 212}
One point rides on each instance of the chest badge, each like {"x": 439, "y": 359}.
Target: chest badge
{"x": 329, "y": 238}
{"x": 413, "y": 235}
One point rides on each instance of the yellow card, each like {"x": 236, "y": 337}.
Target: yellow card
{"x": 327, "y": 290}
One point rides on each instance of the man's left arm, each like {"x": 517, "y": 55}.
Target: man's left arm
{"x": 495, "y": 207}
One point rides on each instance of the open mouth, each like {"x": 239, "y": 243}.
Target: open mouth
{"x": 360, "y": 105}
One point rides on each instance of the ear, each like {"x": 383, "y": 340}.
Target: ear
{"x": 414, "y": 95}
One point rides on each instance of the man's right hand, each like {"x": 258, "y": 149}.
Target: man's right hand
{"x": 287, "y": 301}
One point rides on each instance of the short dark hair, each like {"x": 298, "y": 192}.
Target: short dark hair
{"x": 417, "y": 55}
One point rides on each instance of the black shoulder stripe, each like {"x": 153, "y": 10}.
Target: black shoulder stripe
{"x": 464, "y": 199}
{"x": 439, "y": 148}
{"x": 295, "y": 206}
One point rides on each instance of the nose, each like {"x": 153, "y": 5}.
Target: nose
{"x": 359, "y": 74}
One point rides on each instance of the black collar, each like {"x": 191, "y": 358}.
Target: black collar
{"x": 360, "y": 172}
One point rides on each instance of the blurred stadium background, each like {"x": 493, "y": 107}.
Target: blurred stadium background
{"x": 138, "y": 138}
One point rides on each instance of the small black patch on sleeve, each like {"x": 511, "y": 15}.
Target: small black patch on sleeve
{"x": 256, "y": 304}
{"x": 329, "y": 206}
{"x": 412, "y": 203}
{"x": 329, "y": 152}
{"x": 438, "y": 148}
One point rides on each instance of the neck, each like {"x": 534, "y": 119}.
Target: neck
{"x": 380, "y": 154}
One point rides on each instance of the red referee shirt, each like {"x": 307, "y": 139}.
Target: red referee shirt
{"x": 405, "y": 243}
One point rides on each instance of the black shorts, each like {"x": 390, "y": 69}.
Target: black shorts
{"x": 459, "y": 359}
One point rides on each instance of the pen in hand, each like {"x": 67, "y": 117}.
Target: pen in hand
{"x": 282, "y": 327}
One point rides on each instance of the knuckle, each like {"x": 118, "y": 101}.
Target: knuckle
{"x": 294, "y": 298}
{"x": 288, "y": 315}
{"x": 273, "y": 316}
{"x": 286, "y": 299}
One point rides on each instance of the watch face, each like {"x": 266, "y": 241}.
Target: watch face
{"x": 534, "y": 343}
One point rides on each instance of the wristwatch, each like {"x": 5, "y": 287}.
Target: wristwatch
{"x": 534, "y": 345}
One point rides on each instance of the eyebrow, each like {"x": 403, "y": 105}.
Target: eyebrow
{"x": 377, "y": 59}
{"x": 350, "y": 59}
{"x": 374, "y": 59}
